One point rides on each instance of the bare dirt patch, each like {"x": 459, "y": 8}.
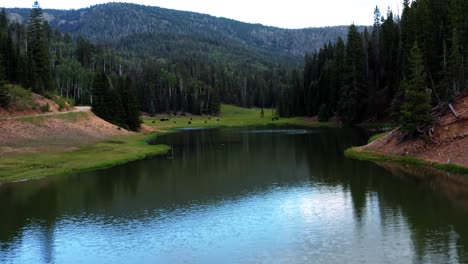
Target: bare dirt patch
{"x": 58, "y": 132}
{"x": 449, "y": 142}
{"x": 39, "y": 101}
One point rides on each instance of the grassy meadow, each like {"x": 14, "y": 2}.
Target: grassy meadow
{"x": 231, "y": 116}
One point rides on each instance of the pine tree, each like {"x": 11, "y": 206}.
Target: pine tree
{"x": 101, "y": 95}
{"x": 39, "y": 73}
{"x": 416, "y": 108}
{"x": 455, "y": 66}
{"x": 132, "y": 115}
{"x": 354, "y": 92}
{"x": 215, "y": 102}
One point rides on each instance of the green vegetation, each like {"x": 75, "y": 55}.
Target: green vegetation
{"x": 120, "y": 150}
{"x": 377, "y": 136}
{"x": 39, "y": 76}
{"x": 102, "y": 155}
{"x": 416, "y": 108}
{"x": 45, "y": 108}
{"x": 20, "y": 98}
{"x": 387, "y": 70}
{"x": 60, "y": 101}
{"x": 231, "y": 116}
{"x": 358, "y": 153}
{"x": 117, "y": 105}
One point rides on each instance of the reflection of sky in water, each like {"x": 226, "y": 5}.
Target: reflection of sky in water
{"x": 269, "y": 198}
{"x": 292, "y": 225}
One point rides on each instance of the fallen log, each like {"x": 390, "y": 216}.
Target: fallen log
{"x": 453, "y": 111}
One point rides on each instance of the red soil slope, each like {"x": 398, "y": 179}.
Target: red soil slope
{"x": 449, "y": 142}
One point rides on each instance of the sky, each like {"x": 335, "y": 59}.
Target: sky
{"x": 279, "y": 13}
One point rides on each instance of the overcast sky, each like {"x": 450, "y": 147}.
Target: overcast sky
{"x": 280, "y": 13}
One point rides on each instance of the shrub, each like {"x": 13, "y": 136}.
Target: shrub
{"x": 45, "y": 108}
{"x": 17, "y": 93}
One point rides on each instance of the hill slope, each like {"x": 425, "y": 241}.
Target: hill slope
{"x": 117, "y": 22}
{"x": 448, "y": 145}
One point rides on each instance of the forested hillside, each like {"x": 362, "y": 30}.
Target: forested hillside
{"x": 177, "y": 62}
{"x": 115, "y": 22}
{"x": 401, "y": 67}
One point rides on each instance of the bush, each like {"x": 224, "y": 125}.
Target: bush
{"x": 17, "y": 93}
{"x": 62, "y": 102}
{"x": 45, "y": 108}
{"x": 21, "y": 98}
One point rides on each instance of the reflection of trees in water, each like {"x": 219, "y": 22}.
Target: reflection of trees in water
{"x": 435, "y": 226}
{"x": 436, "y": 202}
{"x": 211, "y": 164}
{"x": 35, "y": 207}
{"x": 40, "y": 203}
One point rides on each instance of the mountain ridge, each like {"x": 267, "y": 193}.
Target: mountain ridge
{"x": 112, "y": 22}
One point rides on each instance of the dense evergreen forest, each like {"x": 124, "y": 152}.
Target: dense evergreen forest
{"x": 171, "y": 72}
{"x": 119, "y": 23}
{"x": 398, "y": 68}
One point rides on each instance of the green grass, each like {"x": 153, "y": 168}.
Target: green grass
{"x": 20, "y": 98}
{"x": 14, "y": 167}
{"x": 377, "y": 136}
{"x": 358, "y": 153}
{"x": 231, "y": 116}
{"x": 115, "y": 151}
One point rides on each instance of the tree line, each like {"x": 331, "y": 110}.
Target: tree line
{"x": 49, "y": 62}
{"x": 400, "y": 67}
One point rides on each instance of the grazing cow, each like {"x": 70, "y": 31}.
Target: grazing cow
{"x": 189, "y": 122}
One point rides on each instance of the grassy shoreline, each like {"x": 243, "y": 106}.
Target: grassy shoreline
{"x": 105, "y": 154}
{"x": 120, "y": 150}
{"x": 360, "y": 154}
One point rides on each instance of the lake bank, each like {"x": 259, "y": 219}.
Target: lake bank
{"x": 362, "y": 153}
{"x": 218, "y": 185}
{"x": 444, "y": 145}
{"x": 71, "y": 152}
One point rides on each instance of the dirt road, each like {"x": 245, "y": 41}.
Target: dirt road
{"x": 76, "y": 109}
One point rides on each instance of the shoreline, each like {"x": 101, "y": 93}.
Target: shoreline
{"x": 118, "y": 150}
{"x": 102, "y": 155}
{"x": 360, "y": 153}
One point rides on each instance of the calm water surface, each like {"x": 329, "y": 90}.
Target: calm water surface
{"x": 240, "y": 196}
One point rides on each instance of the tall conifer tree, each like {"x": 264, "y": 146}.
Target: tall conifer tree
{"x": 416, "y": 108}
{"x": 39, "y": 73}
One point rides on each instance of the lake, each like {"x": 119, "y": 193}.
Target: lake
{"x": 241, "y": 195}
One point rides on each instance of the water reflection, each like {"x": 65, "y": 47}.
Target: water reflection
{"x": 226, "y": 195}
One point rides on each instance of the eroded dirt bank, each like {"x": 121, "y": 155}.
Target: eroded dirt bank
{"x": 448, "y": 144}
